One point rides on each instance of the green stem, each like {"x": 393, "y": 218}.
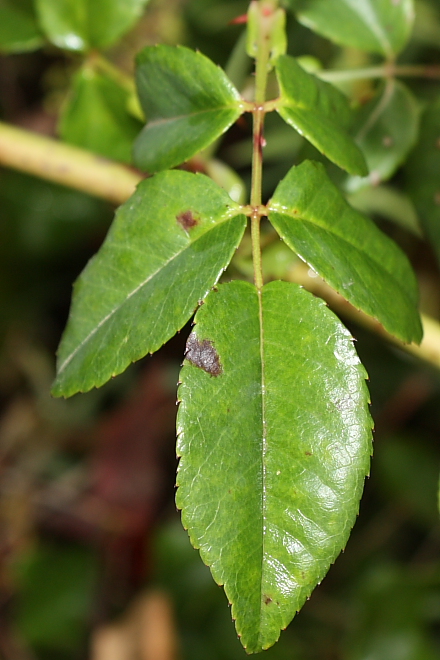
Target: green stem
{"x": 261, "y": 72}
{"x": 61, "y": 163}
{"x": 384, "y": 71}
{"x": 257, "y": 163}
{"x": 123, "y": 79}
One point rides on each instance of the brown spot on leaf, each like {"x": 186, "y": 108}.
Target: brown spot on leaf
{"x": 267, "y": 600}
{"x": 308, "y": 453}
{"x": 187, "y": 220}
{"x": 203, "y": 355}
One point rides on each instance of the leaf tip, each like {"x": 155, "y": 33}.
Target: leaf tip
{"x": 55, "y": 393}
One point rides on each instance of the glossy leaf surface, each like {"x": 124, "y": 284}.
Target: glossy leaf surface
{"x": 166, "y": 248}
{"x": 96, "y": 116}
{"x": 18, "y": 27}
{"x": 346, "y": 249}
{"x": 423, "y": 174}
{"x": 386, "y": 129}
{"x": 319, "y": 112}
{"x": 377, "y": 26}
{"x": 188, "y": 102}
{"x": 274, "y": 448}
{"x": 85, "y": 24}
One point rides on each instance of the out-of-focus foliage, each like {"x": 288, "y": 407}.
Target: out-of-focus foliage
{"x": 18, "y": 26}
{"x": 86, "y": 24}
{"x": 61, "y": 579}
{"x": 95, "y": 116}
{"x": 82, "y": 482}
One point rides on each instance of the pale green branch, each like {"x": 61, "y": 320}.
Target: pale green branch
{"x": 76, "y": 168}
{"x": 429, "y": 349}
{"x": 385, "y": 71}
{"x": 61, "y": 163}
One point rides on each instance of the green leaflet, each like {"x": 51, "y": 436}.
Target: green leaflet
{"x": 165, "y": 250}
{"x": 346, "y": 249}
{"x": 96, "y": 116}
{"x": 85, "y": 24}
{"x": 18, "y": 27}
{"x": 319, "y": 112}
{"x": 274, "y": 436}
{"x": 386, "y": 129}
{"x": 188, "y": 102}
{"x": 422, "y": 174}
{"x": 377, "y": 26}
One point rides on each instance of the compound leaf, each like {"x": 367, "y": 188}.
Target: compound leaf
{"x": 422, "y": 174}
{"x": 85, "y": 24}
{"x": 18, "y": 26}
{"x": 319, "y": 112}
{"x": 188, "y": 102}
{"x": 346, "y": 249}
{"x": 167, "y": 247}
{"x": 386, "y": 129}
{"x": 96, "y": 116}
{"x": 377, "y": 26}
{"x": 274, "y": 436}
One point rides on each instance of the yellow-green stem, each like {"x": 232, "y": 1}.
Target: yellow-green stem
{"x": 257, "y": 170}
{"x": 261, "y": 71}
{"x": 384, "y": 71}
{"x": 118, "y": 75}
{"x": 61, "y": 163}
{"x": 76, "y": 168}
{"x": 429, "y": 349}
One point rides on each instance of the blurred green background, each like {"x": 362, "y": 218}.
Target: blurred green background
{"x": 94, "y": 562}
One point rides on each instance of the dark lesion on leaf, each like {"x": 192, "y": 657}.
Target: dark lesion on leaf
{"x": 267, "y": 600}
{"x": 187, "y": 220}
{"x": 203, "y": 355}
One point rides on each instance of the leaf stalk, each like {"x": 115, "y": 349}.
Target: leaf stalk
{"x": 262, "y": 66}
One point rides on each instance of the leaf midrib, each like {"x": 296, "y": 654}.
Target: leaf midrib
{"x": 136, "y": 290}
{"x": 379, "y": 110}
{"x": 165, "y": 120}
{"x": 370, "y": 18}
{"x": 263, "y": 457}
